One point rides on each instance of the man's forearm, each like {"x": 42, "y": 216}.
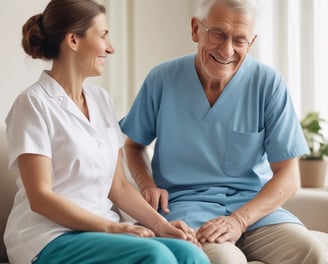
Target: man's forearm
{"x": 139, "y": 164}
{"x": 275, "y": 193}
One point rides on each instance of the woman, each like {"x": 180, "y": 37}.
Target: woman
{"x": 66, "y": 142}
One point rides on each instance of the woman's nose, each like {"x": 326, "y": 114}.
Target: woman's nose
{"x": 110, "y": 49}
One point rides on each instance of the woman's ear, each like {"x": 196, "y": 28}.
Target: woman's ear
{"x": 71, "y": 40}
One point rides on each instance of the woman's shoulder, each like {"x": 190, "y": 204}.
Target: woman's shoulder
{"x": 31, "y": 94}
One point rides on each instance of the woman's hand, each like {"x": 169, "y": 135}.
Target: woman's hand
{"x": 126, "y": 228}
{"x": 188, "y": 231}
{"x": 177, "y": 229}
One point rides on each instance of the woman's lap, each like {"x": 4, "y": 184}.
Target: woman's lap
{"x": 94, "y": 248}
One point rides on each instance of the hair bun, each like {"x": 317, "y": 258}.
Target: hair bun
{"x": 34, "y": 37}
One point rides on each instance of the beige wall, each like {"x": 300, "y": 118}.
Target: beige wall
{"x": 143, "y": 32}
{"x": 16, "y": 71}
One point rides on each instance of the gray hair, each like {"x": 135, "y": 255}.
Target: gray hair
{"x": 248, "y": 6}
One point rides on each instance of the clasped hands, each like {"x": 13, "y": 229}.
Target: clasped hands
{"x": 217, "y": 230}
{"x": 174, "y": 229}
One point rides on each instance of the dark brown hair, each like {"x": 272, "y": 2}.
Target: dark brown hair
{"x": 43, "y": 33}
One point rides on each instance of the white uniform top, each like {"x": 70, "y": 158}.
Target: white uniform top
{"x": 45, "y": 121}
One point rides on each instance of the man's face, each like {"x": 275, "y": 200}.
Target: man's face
{"x": 224, "y": 39}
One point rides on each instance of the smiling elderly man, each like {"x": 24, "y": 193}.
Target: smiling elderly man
{"x": 227, "y": 143}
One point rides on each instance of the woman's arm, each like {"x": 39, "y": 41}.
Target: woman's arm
{"x": 139, "y": 166}
{"x": 36, "y": 171}
{"x": 127, "y": 198}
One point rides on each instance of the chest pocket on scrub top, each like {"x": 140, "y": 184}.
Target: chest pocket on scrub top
{"x": 242, "y": 151}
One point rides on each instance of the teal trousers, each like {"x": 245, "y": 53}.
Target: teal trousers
{"x": 104, "y": 248}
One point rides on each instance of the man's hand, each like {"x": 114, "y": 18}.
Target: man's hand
{"x": 156, "y": 197}
{"x": 221, "y": 229}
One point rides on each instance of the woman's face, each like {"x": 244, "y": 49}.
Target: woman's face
{"x": 94, "y": 47}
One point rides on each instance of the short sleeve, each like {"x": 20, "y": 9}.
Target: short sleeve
{"x": 27, "y": 131}
{"x": 140, "y": 123}
{"x": 113, "y": 119}
{"x": 284, "y": 136}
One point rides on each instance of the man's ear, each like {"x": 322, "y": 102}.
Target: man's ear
{"x": 253, "y": 39}
{"x": 194, "y": 29}
{"x": 252, "y": 42}
{"x": 72, "y": 41}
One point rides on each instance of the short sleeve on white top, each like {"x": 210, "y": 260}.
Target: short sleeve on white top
{"x": 45, "y": 121}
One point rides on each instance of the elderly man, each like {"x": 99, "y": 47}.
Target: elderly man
{"x": 227, "y": 143}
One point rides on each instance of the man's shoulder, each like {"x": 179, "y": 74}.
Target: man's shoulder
{"x": 259, "y": 66}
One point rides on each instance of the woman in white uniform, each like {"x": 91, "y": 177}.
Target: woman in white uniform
{"x": 65, "y": 140}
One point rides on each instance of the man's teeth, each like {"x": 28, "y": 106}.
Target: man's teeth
{"x": 221, "y": 61}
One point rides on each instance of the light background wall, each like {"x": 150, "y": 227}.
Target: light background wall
{"x": 17, "y": 70}
{"x": 145, "y": 33}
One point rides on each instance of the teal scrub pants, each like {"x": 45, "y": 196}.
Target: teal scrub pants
{"x": 104, "y": 248}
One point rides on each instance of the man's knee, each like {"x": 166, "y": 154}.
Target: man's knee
{"x": 226, "y": 253}
{"x": 313, "y": 251}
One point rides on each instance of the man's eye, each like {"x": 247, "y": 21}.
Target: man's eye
{"x": 218, "y": 35}
{"x": 241, "y": 40}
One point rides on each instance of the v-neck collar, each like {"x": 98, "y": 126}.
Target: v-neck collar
{"x": 207, "y": 112}
{"x": 55, "y": 91}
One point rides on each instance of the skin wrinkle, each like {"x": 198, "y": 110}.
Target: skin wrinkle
{"x": 216, "y": 65}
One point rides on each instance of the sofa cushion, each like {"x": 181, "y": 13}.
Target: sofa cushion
{"x": 7, "y": 189}
{"x": 310, "y": 205}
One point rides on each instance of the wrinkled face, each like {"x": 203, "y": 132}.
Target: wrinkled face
{"x": 94, "y": 47}
{"x": 224, "y": 39}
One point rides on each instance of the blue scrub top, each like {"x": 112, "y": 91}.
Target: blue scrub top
{"x": 212, "y": 160}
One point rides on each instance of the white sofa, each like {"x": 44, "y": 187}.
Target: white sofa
{"x": 310, "y": 205}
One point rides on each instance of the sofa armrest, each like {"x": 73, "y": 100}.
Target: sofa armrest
{"x": 310, "y": 205}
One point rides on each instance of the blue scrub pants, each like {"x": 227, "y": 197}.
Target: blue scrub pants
{"x": 104, "y": 248}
